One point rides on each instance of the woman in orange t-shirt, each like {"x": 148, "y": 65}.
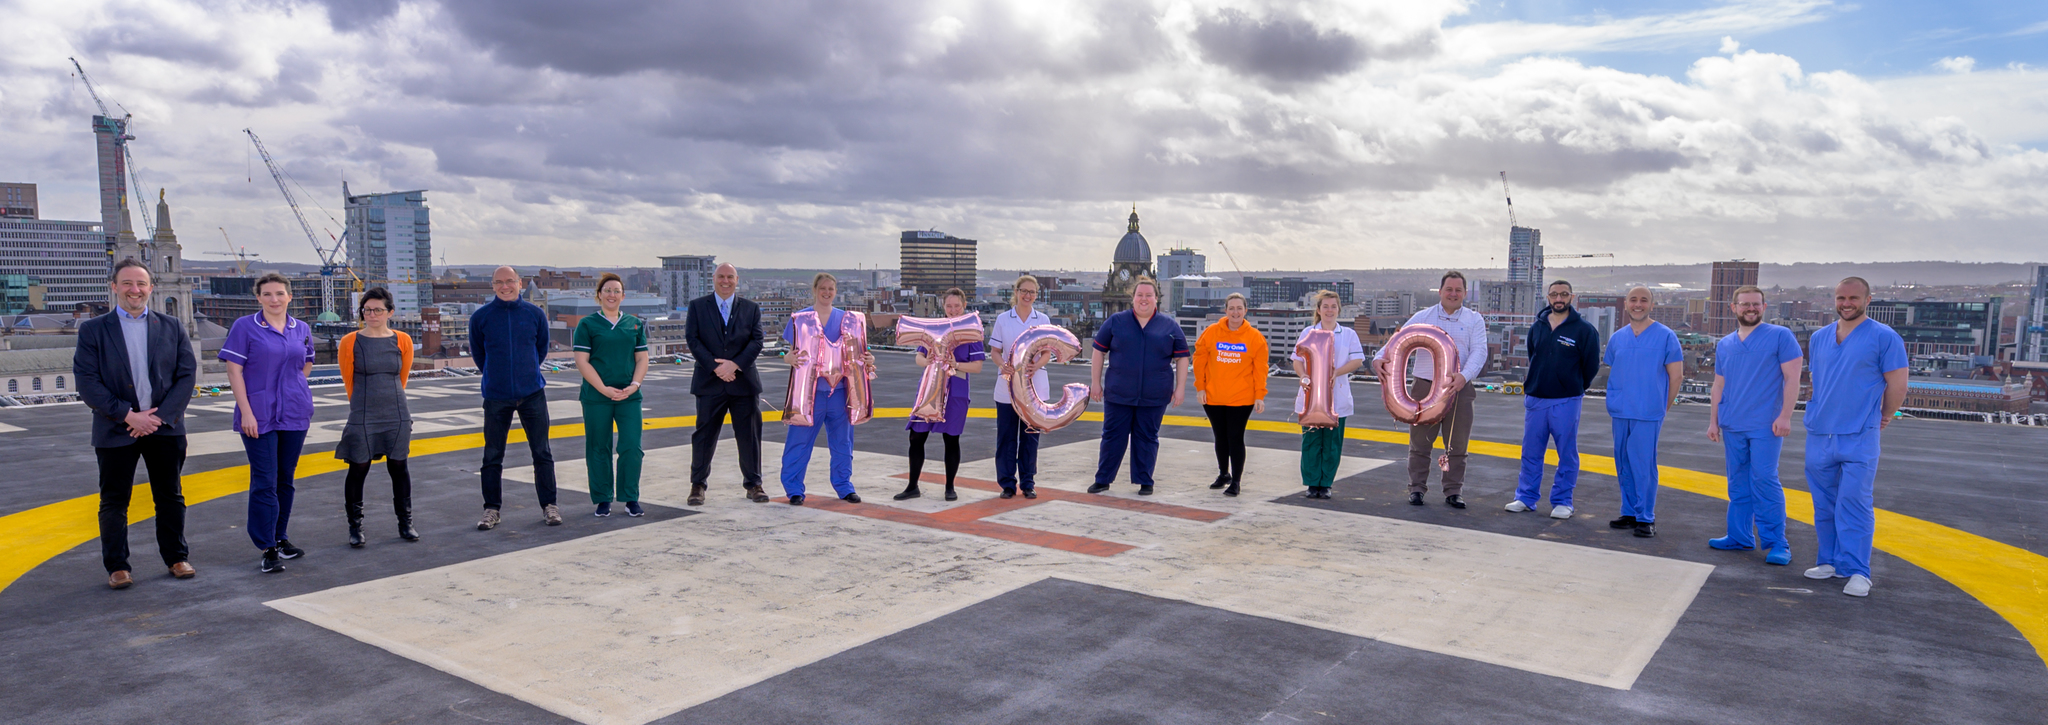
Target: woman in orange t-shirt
{"x": 1230, "y": 381}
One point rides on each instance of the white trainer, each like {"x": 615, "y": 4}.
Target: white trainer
{"x": 1560, "y": 512}
{"x": 1858, "y": 586}
{"x": 1517, "y": 507}
{"x": 1824, "y": 571}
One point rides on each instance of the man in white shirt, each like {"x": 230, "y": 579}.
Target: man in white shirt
{"x": 1016, "y": 446}
{"x": 1468, "y": 331}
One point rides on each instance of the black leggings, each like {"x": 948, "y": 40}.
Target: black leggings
{"x": 1226, "y": 423}
{"x": 401, "y": 488}
{"x": 917, "y": 456}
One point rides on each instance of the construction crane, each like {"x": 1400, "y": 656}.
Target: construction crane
{"x": 332, "y": 259}
{"x": 241, "y": 255}
{"x": 1233, "y": 259}
{"x": 1511, "y": 199}
{"x": 1575, "y": 256}
{"x": 121, "y": 139}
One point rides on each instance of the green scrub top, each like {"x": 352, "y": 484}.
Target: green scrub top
{"x": 612, "y": 348}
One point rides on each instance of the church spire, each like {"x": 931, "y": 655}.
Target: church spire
{"x": 1134, "y": 218}
{"x": 163, "y": 213}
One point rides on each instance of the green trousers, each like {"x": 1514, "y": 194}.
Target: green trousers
{"x": 598, "y": 422}
{"x": 1321, "y": 450}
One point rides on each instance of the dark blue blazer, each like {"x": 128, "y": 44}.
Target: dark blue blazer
{"x": 107, "y": 385}
{"x": 712, "y": 338}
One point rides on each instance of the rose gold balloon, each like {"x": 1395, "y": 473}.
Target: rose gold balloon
{"x": 1443, "y": 354}
{"x": 853, "y": 366}
{"x": 1033, "y": 349}
{"x": 820, "y": 362}
{"x": 1318, "y": 350}
{"x": 938, "y": 336}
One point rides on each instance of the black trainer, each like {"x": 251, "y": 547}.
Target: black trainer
{"x": 1646, "y": 530}
{"x": 850, "y": 498}
{"x": 1232, "y": 490}
{"x": 1222, "y": 479}
{"x": 286, "y": 550}
{"x": 1415, "y": 498}
{"x": 603, "y": 510}
{"x": 1098, "y": 488}
{"x": 1145, "y": 490}
{"x": 1031, "y": 493}
{"x": 271, "y": 563}
{"x": 1454, "y": 501}
{"x": 1009, "y": 493}
{"x": 1625, "y": 522}
{"x": 633, "y": 509}
{"x": 797, "y": 500}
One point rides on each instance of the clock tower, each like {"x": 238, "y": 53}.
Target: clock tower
{"x": 1133, "y": 258}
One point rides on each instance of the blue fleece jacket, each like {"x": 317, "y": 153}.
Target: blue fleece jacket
{"x": 1562, "y": 360}
{"x": 508, "y": 341}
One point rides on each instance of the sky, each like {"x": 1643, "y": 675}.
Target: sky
{"x": 1307, "y": 135}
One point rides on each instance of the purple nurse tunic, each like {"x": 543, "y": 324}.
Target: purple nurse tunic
{"x": 273, "y": 369}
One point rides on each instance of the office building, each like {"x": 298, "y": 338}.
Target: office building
{"x": 68, "y": 259}
{"x": 1197, "y": 291}
{"x": 1963, "y": 328}
{"x": 110, "y": 137}
{"x": 1181, "y": 262}
{"x": 390, "y": 245}
{"x": 2033, "y": 337}
{"x": 934, "y": 261}
{"x": 686, "y": 277}
{"x": 1525, "y": 256}
{"x": 1291, "y": 290}
{"x": 1511, "y": 297}
{"x": 1727, "y": 277}
{"x": 231, "y": 298}
{"x": 1969, "y": 396}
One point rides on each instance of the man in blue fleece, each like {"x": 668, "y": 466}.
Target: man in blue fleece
{"x": 508, "y": 338}
{"x": 1564, "y": 355}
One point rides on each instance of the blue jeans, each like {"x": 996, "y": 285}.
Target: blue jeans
{"x": 1136, "y": 428}
{"x": 1840, "y": 472}
{"x": 1756, "y": 498}
{"x": 832, "y": 419}
{"x": 273, "y": 459}
{"x": 1635, "y": 462}
{"x": 1546, "y": 420}
{"x": 1016, "y": 450}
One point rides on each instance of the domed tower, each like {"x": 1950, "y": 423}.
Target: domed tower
{"x": 1133, "y": 258}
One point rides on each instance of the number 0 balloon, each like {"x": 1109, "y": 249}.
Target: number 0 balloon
{"x": 1443, "y": 356}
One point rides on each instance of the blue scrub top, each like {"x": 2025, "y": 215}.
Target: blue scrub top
{"x": 1638, "y": 384}
{"x": 1848, "y": 377}
{"x": 1140, "y": 360}
{"x": 831, "y": 331}
{"x": 1752, "y": 383}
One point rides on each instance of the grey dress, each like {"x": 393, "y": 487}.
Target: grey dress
{"x": 378, "y": 424}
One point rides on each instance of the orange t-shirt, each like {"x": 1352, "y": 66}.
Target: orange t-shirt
{"x": 1230, "y": 365}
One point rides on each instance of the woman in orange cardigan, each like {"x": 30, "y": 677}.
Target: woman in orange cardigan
{"x": 376, "y": 361}
{"x": 1230, "y": 381}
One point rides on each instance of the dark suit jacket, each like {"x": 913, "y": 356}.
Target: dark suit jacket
{"x": 712, "y": 339}
{"x": 108, "y": 386}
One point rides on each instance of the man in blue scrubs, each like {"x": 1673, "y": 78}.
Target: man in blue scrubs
{"x": 1564, "y": 357}
{"x": 1148, "y": 369}
{"x": 1644, "y": 368}
{"x": 1859, "y": 381}
{"x": 1756, "y": 384}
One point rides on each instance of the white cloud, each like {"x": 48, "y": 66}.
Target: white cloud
{"x": 1729, "y": 46}
{"x": 1960, "y": 64}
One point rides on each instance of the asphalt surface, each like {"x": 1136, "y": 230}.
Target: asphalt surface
{"x": 1759, "y": 644}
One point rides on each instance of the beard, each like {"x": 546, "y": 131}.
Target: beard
{"x": 1559, "y": 307}
{"x": 1849, "y": 314}
{"x": 1750, "y": 319}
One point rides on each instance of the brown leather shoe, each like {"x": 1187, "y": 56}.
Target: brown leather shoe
{"x": 697, "y": 494}
{"x": 756, "y": 495}
{"x": 119, "y": 580}
{"x": 183, "y": 570}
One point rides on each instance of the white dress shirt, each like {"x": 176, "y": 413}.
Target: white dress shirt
{"x": 1466, "y": 328}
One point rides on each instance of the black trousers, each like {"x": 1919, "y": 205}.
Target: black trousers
{"x": 533, "y": 418}
{"x": 1226, "y": 424}
{"x": 163, "y": 456}
{"x": 401, "y": 489}
{"x": 746, "y": 428}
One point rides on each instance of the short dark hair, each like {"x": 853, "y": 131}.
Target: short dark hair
{"x": 273, "y": 278}
{"x": 1453, "y": 274}
{"x": 1857, "y": 280}
{"x": 125, "y": 263}
{"x": 375, "y": 293}
{"x": 1747, "y": 289}
{"x": 1556, "y": 282}
{"x": 954, "y": 292}
{"x": 610, "y": 277}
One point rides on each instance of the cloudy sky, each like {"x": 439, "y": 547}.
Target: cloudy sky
{"x": 1305, "y": 135}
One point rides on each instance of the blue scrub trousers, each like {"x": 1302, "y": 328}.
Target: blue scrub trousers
{"x": 831, "y": 417}
{"x": 1016, "y": 450}
{"x": 1635, "y": 460}
{"x": 273, "y": 461}
{"x": 1840, "y": 470}
{"x": 1544, "y": 421}
{"x": 1756, "y": 499}
{"x": 1136, "y": 427}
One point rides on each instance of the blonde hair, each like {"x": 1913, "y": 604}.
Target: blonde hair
{"x": 1238, "y": 297}
{"x": 1317, "y": 303}
{"x": 1746, "y": 289}
{"x": 1032, "y": 278}
{"x": 822, "y": 276}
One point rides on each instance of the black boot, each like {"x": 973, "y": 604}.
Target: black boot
{"x": 950, "y": 495}
{"x": 401, "y": 502}
{"x": 355, "y": 524}
{"x": 1222, "y": 479}
{"x": 909, "y": 492}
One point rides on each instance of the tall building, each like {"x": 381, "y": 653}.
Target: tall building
{"x": 111, "y": 140}
{"x": 686, "y": 277}
{"x": 933, "y": 262}
{"x": 1289, "y": 290}
{"x": 68, "y": 260}
{"x": 2033, "y": 337}
{"x": 1181, "y": 262}
{"x": 1961, "y": 328}
{"x": 1513, "y": 297}
{"x": 1525, "y": 255}
{"x": 1727, "y": 277}
{"x": 1132, "y": 259}
{"x": 390, "y": 245}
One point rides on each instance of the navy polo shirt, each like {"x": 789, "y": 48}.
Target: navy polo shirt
{"x": 1140, "y": 358}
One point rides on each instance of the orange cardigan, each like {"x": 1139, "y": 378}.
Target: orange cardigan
{"x": 348, "y": 361}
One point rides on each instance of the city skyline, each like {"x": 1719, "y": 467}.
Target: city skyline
{"x": 1310, "y": 136}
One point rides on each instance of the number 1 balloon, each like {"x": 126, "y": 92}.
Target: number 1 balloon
{"x": 1443, "y": 356}
{"x": 1318, "y": 351}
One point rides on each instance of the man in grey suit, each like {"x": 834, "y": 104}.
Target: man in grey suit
{"x": 724, "y": 332}
{"x": 135, "y": 371}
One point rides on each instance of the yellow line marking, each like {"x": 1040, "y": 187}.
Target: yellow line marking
{"x": 2010, "y": 580}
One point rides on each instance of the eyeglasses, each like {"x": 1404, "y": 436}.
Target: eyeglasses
{"x": 375, "y": 310}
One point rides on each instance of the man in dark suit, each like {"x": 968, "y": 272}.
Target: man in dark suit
{"x": 124, "y": 358}
{"x": 724, "y": 331}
